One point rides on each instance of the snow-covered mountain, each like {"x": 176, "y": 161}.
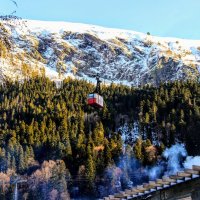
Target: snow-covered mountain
{"x": 60, "y": 49}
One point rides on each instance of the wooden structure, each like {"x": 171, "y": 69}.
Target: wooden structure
{"x": 184, "y": 185}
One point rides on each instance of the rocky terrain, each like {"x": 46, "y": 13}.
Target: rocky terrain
{"x": 60, "y": 49}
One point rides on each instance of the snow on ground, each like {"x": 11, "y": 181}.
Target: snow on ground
{"x": 48, "y": 53}
{"x": 198, "y": 68}
{"x": 46, "y": 27}
{"x": 104, "y": 33}
{"x": 51, "y": 73}
{"x": 151, "y": 48}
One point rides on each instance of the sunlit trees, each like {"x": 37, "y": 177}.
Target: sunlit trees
{"x": 39, "y": 122}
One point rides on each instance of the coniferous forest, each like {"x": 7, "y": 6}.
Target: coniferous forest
{"x": 51, "y": 138}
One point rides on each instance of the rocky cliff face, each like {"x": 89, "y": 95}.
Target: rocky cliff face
{"x": 59, "y": 49}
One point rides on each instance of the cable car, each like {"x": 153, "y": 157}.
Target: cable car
{"x": 95, "y": 99}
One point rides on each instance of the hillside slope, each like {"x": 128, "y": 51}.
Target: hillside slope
{"x": 61, "y": 49}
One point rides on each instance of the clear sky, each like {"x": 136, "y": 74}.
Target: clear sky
{"x": 170, "y": 18}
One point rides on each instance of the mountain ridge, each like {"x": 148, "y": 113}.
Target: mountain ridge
{"x": 61, "y": 49}
{"x": 105, "y": 28}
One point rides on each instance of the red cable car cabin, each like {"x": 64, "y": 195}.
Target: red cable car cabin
{"x": 95, "y": 100}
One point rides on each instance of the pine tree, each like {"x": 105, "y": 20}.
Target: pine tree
{"x": 13, "y": 164}
{"x": 138, "y": 149}
{"x": 8, "y": 159}
{"x": 107, "y": 153}
{"x": 90, "y": 170}
{"x": 21, "y": 159}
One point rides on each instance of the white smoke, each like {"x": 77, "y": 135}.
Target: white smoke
{"x": 130, "y": 172}
{"x": 155, "y": 172}
{"x": 191, "y": 161}
{"x": 177, "y": 159}
{"x": 175, "y": 156}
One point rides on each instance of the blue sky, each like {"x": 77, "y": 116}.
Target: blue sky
{"x": 169, "y": 18}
